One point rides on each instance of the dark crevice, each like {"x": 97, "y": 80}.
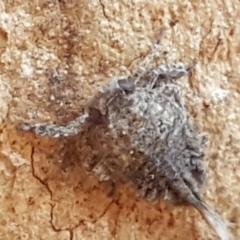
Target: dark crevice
{"x": 54, "y": 227}
{"x": 104, "y": 10}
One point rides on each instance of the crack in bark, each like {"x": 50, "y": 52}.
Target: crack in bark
{"x": 219, "y": 43}
{"x": 103, "y": 10}
{"x": 54, "y": 228}
{"x": 36, "y": 176}
{"x": 203, "y": 40}
{"x": 134, "y": 59}
{"x": 52, "y": 205}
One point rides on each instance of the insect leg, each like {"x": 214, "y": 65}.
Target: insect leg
{"x": 54, "y": 130}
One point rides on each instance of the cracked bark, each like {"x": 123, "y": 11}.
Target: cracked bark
{"x": 71, "y": 37}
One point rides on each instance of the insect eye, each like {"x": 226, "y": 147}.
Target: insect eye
{"x": 126, "y": 85}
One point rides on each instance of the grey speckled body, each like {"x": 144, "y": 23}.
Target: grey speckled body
{"x": 151, "y": 126}
{"x": 140, "y": 132}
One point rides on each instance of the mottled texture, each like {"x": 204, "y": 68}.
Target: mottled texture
{"x": 147, "y": 137}
{"x": 54, "y": 57}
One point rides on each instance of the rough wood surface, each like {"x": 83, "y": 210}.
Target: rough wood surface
{"x": 54, "y": 55}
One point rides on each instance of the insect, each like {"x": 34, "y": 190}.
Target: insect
{"x": 141, "y": 132}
